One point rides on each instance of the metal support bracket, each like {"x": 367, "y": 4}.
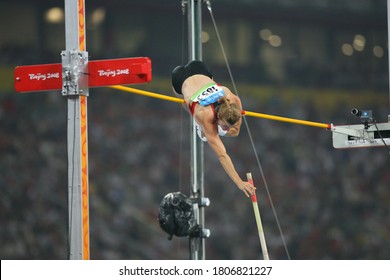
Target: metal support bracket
{"x": 349, "y": 131}
{"x": 358, "y": 136}
{"x": 202, "y": 201}
{"x": 197, "y": 203}
{"x": 201, "y": 233}
{"x": 74, "y": 73}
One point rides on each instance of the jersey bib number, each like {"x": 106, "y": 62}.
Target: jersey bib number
{"x": 207, "y": 95}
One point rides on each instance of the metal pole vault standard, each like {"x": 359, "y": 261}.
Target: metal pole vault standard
{"x": 196, "y": 244}
{"x": 78, "y": 183}
{"x": 74, "y": 76}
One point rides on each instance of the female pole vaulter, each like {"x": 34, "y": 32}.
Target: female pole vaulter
{"x": 216, "y": 111}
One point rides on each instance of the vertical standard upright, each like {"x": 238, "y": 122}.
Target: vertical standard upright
{"x": 197, "y": 243}
{"x": 73, "y": 77}
{"x": 77, "y": 91}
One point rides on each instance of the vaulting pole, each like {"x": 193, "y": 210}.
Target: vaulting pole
{"x": 259, "y": 224}
{"x": 78, "y": 193}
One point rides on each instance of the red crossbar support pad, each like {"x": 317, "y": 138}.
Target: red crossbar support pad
{"x": 108, "y": 72}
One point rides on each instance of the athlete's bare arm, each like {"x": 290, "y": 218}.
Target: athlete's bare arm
{"x": 213, "y": 139}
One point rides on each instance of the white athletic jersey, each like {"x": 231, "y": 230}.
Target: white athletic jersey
{"x": 199, "y": 131}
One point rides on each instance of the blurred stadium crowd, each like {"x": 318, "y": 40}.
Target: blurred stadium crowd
{"x": 331, "y": 204}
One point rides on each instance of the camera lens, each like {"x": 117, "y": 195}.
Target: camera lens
{"x": 355, "y": 112}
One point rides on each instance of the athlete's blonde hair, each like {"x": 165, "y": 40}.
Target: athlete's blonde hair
{"x": 228, "y": 111}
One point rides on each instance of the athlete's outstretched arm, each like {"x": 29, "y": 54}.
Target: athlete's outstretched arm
{"x": 219, "y": 149}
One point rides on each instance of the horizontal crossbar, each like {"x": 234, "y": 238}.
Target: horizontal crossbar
{"x": 246, "y": 113}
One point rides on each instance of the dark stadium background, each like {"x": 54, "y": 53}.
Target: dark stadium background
{"x": 325, "y": 58}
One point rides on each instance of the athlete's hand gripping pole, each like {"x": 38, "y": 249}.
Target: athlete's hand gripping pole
{"x": 258, "y": 220}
